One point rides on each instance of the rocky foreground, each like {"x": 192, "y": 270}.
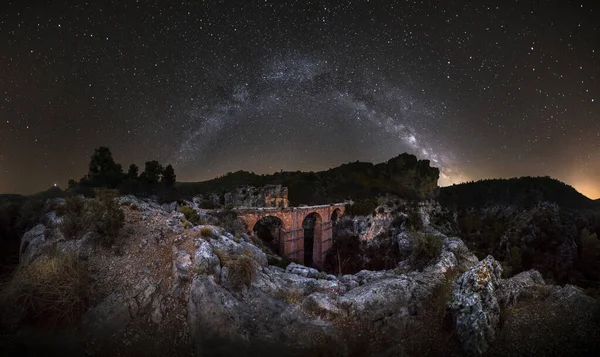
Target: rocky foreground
{"x": 201, "y": 291}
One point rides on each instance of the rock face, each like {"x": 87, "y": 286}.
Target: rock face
{"x": 475, "y": 306}
{"x": 266, "y": 196}
{"x": 406, "y": 171}
{"x": 171, "y": 290}
{"x": 33, "y": 244}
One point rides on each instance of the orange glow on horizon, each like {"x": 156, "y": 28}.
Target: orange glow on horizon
{"x": 588, "y": 189}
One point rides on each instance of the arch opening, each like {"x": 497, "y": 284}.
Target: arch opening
{"x": 270, "y": 230}
{"x": 312, "y": 238}
{"x": 335, "y": 215}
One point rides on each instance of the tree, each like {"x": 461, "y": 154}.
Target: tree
{"x": 168, "y": 176}
{"x": 133, "y": 171}
{"x": 152, "y": 172}
{"x": 103, "y": 170}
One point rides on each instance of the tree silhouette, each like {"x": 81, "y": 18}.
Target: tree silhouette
{"x": 168, "y": 176}
{"x": 152, "y": 172}
{"x": 103, "y": 170}
{"x": 133, "y": 171}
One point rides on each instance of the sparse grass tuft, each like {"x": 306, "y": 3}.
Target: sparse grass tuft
{"x": 289, "y": 296}
{"x": 242, "y": 271}
{"x": 207, "y": 232}
{"x": 53, "y": 291}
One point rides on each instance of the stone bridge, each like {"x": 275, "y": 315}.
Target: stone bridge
{"x": 291, "y": 236}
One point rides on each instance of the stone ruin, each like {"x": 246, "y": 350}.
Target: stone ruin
{"x": 275, "y": 196}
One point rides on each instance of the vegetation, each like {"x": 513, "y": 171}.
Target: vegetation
{"x": 427, "y": 249}
{"x": 73, "y": 217}
{"x": 108, "y": 218}
{"x": 190, "y": 214}
{"x": 230, "y": 222}
{"x": 207, "y": 232}
{"x": 524, "y": 192}
{"x": 104, "y": 172}
{"x": 362, "y": 207}
{"x": 357, "y": 180}
{"x": 242, "y": 270}
{"x": 53, "y": 291}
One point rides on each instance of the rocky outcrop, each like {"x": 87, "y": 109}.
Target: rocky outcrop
{"x": 265, "y": 196}
{"x": 33, "y": 244}
{"x": 475, "y": 307}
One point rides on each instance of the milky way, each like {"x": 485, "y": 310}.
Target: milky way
{"x": 303, "y": 109}
{"x": 481, "y": 89}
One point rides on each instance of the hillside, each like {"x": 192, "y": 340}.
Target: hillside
{"x": 403, "y": 175}
{"x": 524, "y": 192}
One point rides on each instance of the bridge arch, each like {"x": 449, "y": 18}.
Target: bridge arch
{"x": 335, "y": 215}
{"x": 313, "y": 238}
{"x": 271, "y": 230}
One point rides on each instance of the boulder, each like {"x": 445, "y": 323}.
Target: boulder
{"x": 474, "y": 306}
{"x": 519, "y": 287}
{"x": 33, "y": 244}
{"x": 110, "y": 316}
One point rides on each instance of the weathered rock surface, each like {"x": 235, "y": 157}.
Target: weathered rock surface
{"x": 33, "y": 244}
{"x": 475, "y": 307}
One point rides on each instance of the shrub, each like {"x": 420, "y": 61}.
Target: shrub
{"x": 427, "y": 248}
{"x": 107, "y": 217}
{"x": 229, "y": 220}
{"x": 414, "y": 220}
{"x": 362, "y": 207}
{"x": 241, "y": 271}
{"x": 74, "y": 218}
{"x": 207, "y": 232}
{"x": 190, "y": 214}
{"x": 53, "y": 291}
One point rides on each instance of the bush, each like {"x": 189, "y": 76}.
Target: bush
{"x": 190, "y": 214}
{"x": 363, "y": 207}
{"x": 207, "y": 232}
{"x": 414, "y": 220}
{"x": 73, "y": 217}
{"x": 427, "y": 248}
{"x": 107, "y": 217}
{"x": 229, "y": 220}
{"x": 53, "y": 291}
{"x": 241, "y": 271}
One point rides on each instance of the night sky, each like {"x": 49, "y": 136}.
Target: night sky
{"x": 483, "y": 89}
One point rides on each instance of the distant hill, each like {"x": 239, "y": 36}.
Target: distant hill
{"x": 523, "y": 191}
{"x": 403, "y": 175}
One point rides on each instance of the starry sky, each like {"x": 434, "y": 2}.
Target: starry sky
{"x": 483, "y": 89}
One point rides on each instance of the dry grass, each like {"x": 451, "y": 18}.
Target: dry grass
{"x": 224, "y": 257}
{"x": 53, "y": 291}
{"x": 290, "y": 297}
{"x": 241, "y": 271}
{"x": 207, "y": 232}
